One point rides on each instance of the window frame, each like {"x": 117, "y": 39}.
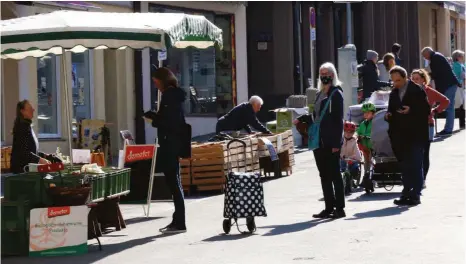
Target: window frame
{"x": 58, "y": 78}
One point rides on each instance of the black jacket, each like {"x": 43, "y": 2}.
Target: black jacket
{"x": 331, "y": 125}
{"x": 406, "y": 129}
{"x": 442, "y": 72}
{"x": 240, "y": 117}
{"x": 23, "y": 146}
{"x": 370, "y": 78}
{"x": 170, "y": 121}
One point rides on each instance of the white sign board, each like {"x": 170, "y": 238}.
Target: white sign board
{"x": 58, "y": 231}
{"x": 313, "y": 34}
{"x": 162, "y": 55}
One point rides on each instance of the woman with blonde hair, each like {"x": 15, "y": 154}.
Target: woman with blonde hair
{"x": 421, "y": 77}
{"x": 328, "y": 109}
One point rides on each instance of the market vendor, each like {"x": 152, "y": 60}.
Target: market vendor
{"x": 243, "y": 116}
{"x": 25, "y": 144}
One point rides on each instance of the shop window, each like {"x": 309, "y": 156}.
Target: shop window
{"x": 80, "y": 83}
{"x": 204, "y": 74}
{"x": 48, "y": 97}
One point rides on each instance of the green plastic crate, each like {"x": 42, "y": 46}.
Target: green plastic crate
{"x": 98, "y": 183}
{"x": 15, "y": 227}
{"x": 118, "y": 181}
{"x": 29, "y": 186}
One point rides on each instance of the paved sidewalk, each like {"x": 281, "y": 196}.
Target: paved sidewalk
{"x": 375, "y": 230}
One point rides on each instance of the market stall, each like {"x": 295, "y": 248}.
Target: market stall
{"x": 71, "y": 186}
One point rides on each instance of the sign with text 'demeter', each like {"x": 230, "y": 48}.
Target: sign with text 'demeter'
{"x": 139, "y": 152}
{"x": 58, "y": 231}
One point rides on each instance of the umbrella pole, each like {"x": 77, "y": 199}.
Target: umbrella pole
{"x": 152, "y": 173}
{"x": 67, "y": 105}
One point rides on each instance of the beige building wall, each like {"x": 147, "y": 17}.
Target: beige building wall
{"x": 19, "y": 81}
{"x": 443, "y": 28}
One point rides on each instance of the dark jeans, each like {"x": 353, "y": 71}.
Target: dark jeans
{"x": 412, "y": 170}
{"x": 172, "y": 176}
{"x": 426, "y": 161}
{"x": 328, "y": 164}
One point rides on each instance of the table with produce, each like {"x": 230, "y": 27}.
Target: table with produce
{"x": 62, "y": 186}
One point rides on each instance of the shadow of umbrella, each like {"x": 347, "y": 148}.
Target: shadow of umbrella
{"x": 295, "y": 227}
{"x": 92, "y": 256}
{"x": 389, "y": 211}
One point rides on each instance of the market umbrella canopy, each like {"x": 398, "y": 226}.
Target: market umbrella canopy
{"x": 78, "y": 30}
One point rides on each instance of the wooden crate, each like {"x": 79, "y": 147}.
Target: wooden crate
{"x": 286, "y": 146}
{"x": 209, "y": 164}
{"x": 5, "y": 158}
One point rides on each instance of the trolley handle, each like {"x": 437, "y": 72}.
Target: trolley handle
{"x": 236, "y": 140}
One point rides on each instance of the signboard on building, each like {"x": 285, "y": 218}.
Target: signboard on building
{"x": 58, "y": 231}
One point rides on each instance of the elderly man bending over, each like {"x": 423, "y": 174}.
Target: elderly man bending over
{"x": 243, "y": 116}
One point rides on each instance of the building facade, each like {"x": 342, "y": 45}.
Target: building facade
{"x": 214, "y": 80}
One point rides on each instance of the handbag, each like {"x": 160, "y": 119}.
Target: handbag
{"x": 313, "y": 142}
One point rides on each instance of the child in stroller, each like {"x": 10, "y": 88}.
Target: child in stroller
{"x": 350, "y": 158}
{"x": 364, "y": 133}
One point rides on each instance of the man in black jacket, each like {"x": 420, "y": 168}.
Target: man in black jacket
{"x": 445, "y": 82}
{"x": 370, "y": 76}
{"x": 243, "y": 116}
{"x": 407, "y": 114}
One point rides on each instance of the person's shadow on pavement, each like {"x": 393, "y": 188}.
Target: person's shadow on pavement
{"x": 293, "y": 228}
{"x": 389, "y": 211}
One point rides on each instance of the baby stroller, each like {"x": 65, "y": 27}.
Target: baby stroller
{"x": 385, "y": 170}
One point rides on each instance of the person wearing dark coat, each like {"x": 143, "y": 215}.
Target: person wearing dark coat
{"x": 370, "y": 75}
{"x": 396, "y": 49}
{"x": 169, "y": 121}
{"x": 408, "y": 117}
{"x": 327, "y": 156}
{"x": 25, "y": 148}
{"x": 445, "y": 82}
{"x": 243, "y": 116}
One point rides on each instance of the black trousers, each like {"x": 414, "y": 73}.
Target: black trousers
{"x": 426, "y": 162}
{"x": 328, "y": 164}
{"x": 171, "y": 170}
{"x": 462, "y": 116}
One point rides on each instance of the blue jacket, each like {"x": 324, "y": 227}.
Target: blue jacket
{"x": 441, "y": 72}
{"x": 331, "y": 125}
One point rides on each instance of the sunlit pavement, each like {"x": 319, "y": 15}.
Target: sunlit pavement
{"x": 375, "y": 230}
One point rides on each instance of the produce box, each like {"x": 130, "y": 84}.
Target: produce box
{"x": 15, "y": 227}
{"x": 117, "y": 181}
{"x": 5, "y": 158}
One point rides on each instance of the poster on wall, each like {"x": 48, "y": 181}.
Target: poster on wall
{"x": 91, "y": 133}
{"x": 58, "y": 231}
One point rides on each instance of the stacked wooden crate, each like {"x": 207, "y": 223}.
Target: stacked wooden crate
{"x": 284, "y": 145}
{"x": 209, "y": 163}
{"x": 5, "y": 159}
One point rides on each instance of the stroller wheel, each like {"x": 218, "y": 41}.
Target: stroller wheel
{"x": 251, "y": 224}
{"x": 226, "y": 226}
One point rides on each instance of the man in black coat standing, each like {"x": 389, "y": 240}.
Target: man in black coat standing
{"x": 407, "y": 114}
{"x": 445, "y": 82}
{"x": 243, "y": 116}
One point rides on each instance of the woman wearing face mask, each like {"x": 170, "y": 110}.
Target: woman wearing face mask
{"x": 421, "y": 77}
{"x": 327, "y": 156}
